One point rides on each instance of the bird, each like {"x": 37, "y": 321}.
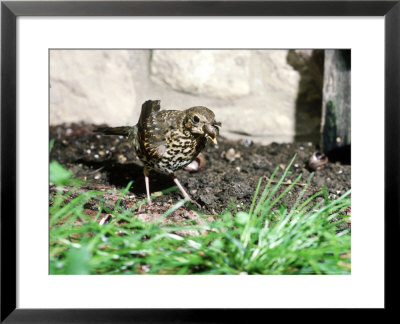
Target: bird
{"x": 168, "y": 140}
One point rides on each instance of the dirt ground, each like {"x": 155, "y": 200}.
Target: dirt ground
{"x": 232, "y": 171}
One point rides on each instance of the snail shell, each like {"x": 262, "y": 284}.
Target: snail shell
{"x": 317, "y": 161}
{"x": 199, "y": 163}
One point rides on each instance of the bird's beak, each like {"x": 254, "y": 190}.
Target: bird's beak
{"x": 214, "y": 139}
{"x": 211, "y": 133}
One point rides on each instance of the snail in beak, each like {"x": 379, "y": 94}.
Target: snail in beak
{"x": 211, "y": 131}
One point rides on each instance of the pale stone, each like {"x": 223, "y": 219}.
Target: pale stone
{"x": 262, "y": 124}
{"x": 274, "y": 76}
{"x": 212, "y": 73}
{"x": 95, "y": 86}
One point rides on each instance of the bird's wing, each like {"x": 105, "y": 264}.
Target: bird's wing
{"x": 159, "y": 127}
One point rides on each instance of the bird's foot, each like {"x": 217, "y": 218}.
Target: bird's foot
{"x": 194, "y": 202}
{"x": 184, "y": 193}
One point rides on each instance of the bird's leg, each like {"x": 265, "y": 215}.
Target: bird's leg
{"x": 146, "y": 180}
{"x": 185, "y": 194}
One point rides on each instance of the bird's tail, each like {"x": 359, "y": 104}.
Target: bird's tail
{"x": 148, "y": 108}
{"x": 124, "y": 130}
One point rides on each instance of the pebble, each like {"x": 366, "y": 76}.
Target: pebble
{"x": 97, "y": 176}
{"x": 207, "y": 199}
{"x": 247, "y": 142}
{"x": 106, "y": 219}
{"x": 96, "y": 156}
{"x": 68, "y": 132}
{"x": 121, "y": 159}
{"x": 231, "y": 155}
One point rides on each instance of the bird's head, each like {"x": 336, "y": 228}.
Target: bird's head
{"x": 200, "y": 121}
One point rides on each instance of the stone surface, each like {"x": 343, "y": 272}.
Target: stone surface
{"x": 214, "y": 73}
{"x": 250, "y": 91}
{"x": 91, "y": 85}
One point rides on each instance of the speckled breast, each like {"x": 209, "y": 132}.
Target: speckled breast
{"x": 177, "y": 151}
{"x": 180, "y": 150}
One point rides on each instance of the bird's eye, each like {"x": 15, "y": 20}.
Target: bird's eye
{"x": 196, "y": 119}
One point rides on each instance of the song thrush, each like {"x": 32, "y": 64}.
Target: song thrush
{"x": 168, "y": 140}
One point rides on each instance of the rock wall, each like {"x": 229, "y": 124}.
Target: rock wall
{"x": 251, "y": 91}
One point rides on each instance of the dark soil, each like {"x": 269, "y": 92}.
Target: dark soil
{"x": 108, "y": 162}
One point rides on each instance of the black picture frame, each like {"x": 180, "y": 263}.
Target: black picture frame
{"x": 10, "y": 10}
